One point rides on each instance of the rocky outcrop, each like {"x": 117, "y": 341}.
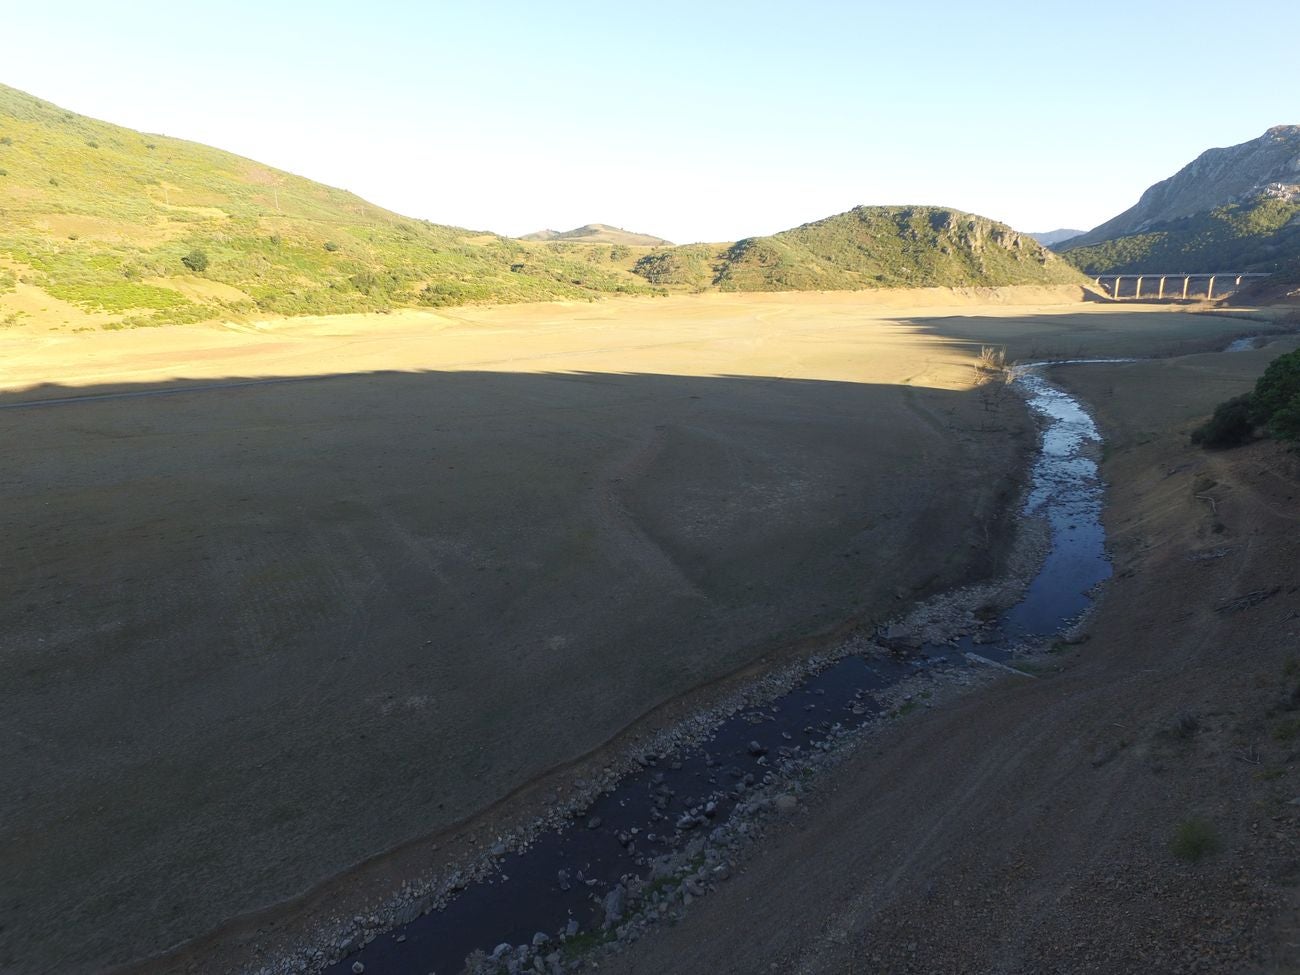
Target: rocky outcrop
{"x": 1269, "y": 165}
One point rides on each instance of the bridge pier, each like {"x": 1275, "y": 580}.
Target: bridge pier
{"x": 1187, "y": 283}
{"x": 1137, "y": 291}
{"x": 1209, "y": 291}
{"x": 1161, "y": 293}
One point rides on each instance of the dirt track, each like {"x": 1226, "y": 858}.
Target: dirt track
{"x": 255, "y": 635}
{"x": 1027, "y": 828}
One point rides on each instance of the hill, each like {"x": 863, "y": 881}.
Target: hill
{"x": 1049, "y": 237}
{"x": 1230, "y": 209}
{"x": 867, "y": 247}
{"x": 105, "y": 227}
{"x": 143, "y": 229}
{"x": 599, "y": 233}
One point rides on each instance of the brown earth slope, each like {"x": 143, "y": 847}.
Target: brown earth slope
{"x": 1028, "y": 828}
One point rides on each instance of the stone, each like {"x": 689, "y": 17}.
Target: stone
{"x": 594, "y": 822}
{"x": 540, "y": 938}
{"x": 357, "y": 968}
{"x": 571, "y": 929}
{"x": 615, "y": 903}
{"x": 756, "y": 749}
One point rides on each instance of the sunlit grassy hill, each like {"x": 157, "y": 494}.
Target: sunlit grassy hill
{"x": 892, "y": 247}
{"x": 154, "y": 229}
{"x": 102, "y": 226}
{"x": 867, "y": 247}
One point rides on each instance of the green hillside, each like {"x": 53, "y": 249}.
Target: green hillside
{"x": 105, "y": 218}
{"x": 867, "y": 247}
{"x": 891, "y": 247}
{"x": 123, "y": 229}
{"x": 1258, "y": 235}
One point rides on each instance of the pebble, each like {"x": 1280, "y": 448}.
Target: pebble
{"x": 357, "y": 968}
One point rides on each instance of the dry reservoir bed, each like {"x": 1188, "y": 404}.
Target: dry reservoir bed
{"x": 256, "y": 633}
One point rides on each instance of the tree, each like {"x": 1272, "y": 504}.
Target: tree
{"x": 1276, "y": 403}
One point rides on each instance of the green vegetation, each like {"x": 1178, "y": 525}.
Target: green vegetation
{"x": 891, "y": 247}
{"x": 150, "y": 230}
{"x": 1230, "y": 426}
{"x": 196, "y": 261}
{"x": 1193, "y": 840}
{"x": 1258, "y": 235}
{"x": 119, "y": 229}
{"x": 693, "y": 266}
{"x": 1273, "y": 404}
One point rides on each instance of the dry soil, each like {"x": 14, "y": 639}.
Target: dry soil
{"x": 281, "y": 598}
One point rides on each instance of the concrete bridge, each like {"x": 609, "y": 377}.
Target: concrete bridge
{"x": 1174, "y": 287}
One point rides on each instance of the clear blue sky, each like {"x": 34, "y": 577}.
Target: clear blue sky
{"x": 693, "y": 121}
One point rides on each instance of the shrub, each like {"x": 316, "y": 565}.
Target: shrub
{"x": 196, "y": 261}
{"x": 6, "y": 140}
{"x": 331, "y": 246}
{"x": 1276, "y": 403}
{"x": 1230, "y": 426}
{"x": 1194, "y": 839}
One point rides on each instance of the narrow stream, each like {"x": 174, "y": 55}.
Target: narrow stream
{"x": 673, "y": 798}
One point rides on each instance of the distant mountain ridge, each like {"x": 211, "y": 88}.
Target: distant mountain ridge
{"x": 1049, "y": 237}
{"x": 599, "y": 233}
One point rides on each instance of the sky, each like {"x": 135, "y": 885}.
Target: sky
{"x": 690, "y": 121}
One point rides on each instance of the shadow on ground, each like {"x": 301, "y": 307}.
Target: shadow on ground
{"x": 257, "y": 631}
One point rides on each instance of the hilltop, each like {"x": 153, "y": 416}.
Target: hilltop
{"x": 1049, "y": 237}
{"x": 866, "y": 247}
{"x": 1236, "y": 208}
{"x": 599, "y": 233}
{"x": 105, "y": 227}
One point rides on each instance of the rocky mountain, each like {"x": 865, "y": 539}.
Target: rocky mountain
{"x": 1234, "y": 209}
{"x": 598, "y": 233}
{"x": 1265, "y": 167}
{"x": 1049, "y": 237}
